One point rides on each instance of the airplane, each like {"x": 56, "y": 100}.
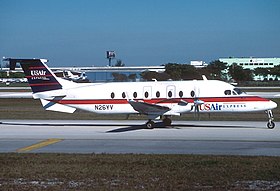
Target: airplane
{"x": 73, "y": 76}
{"x": 8, "y": 81}
{"x": 155, "y": 99}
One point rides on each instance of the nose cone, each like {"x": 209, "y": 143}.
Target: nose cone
{"x": 271, "y": 105}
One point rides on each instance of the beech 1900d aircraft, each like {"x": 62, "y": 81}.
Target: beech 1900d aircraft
{"x": 154, "y": 99}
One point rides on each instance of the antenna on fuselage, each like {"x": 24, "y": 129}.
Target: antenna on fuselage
{"x": 204, "y": 77}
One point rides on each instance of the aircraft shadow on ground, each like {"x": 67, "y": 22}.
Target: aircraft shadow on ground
{"x": 158, "y": 125}
{"x": 122, "y": 127}
{"x": 125, "y": 128}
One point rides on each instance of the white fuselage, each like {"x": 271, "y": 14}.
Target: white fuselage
{"x": 179, "y": 96}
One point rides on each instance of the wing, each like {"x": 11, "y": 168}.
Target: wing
{"x": 148, "y": 109}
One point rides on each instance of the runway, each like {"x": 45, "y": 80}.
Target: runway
{"x": 129, "y": 136}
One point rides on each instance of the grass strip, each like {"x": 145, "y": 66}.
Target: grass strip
{"x": 136, "y": 172}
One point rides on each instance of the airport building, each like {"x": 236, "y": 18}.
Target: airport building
{"x": 199, "y": 64}
{"x": 253, "y": 63}
{"x": 108, "y": 73}
{"x": 105, "y": 73}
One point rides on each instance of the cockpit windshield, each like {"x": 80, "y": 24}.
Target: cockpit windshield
{"x": 238, "y": 91}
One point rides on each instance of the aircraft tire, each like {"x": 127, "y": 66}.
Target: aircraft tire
{"x": 167, "y": 121}
{"x": 150, "y": 125}
{"x": 271, "y": 125}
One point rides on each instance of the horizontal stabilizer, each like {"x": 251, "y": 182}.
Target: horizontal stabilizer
{"x": 52, "y": 106}
{"x": 49, "y": 94}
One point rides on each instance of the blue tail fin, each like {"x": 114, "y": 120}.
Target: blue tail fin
{"x": 38, "y": 74}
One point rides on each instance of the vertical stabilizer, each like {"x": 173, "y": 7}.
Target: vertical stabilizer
{"x": 38, "y": 74}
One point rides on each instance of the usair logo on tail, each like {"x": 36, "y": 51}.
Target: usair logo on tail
{"x": 38, "y": 74}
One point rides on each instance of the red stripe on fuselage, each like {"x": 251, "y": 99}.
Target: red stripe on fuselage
{"x": 163, "y": 100}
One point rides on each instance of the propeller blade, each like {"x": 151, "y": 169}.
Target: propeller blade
{"x": 127, "y": 116}
{"x": 196, "y": 105}
{"x": 197, "y": 115}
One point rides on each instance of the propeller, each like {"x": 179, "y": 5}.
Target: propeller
{"x": 197, "y": 102}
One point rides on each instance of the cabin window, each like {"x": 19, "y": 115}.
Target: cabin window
{"x": 157, "y": 94}
{"x": 227, "y": 92}
{"x": 112, "y": 95}
{"x": 135, "y": 94}
{"x": 170, "y": 94}
{"x": 180, "y": 93}
{"x": 192, "y": 93}
{"x": 123, "y": 95}
{"x": 146, "y": 94}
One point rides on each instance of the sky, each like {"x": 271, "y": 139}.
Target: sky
{"x": 141, "y": 32}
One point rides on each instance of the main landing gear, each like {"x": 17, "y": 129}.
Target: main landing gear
{"x": 150, "y": 124}
{"x": 166, "y": 121}
{"x": 270, "y": 123}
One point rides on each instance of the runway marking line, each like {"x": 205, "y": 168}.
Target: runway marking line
{"x": 41, "y": 144}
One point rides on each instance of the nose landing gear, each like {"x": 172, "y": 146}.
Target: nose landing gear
{"x": 270, "y": 123}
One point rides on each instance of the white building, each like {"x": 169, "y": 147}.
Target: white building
{"x": 253, "y": 63}
{"x": 199, "y": 64}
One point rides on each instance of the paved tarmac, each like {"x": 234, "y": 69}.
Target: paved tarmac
{"x": 16, "y": 95}
{"x": 130, "y": 136}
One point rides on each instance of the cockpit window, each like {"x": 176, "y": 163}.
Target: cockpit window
{"x": 227, "y": 92}
{"x": 238, "y": 91}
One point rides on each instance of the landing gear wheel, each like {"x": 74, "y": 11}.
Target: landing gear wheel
{"x": 150, "y": 124}
{"x": 167, "y": 121}
{"x": 270, "y": 125}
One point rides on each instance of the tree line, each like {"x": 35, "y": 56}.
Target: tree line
{"x": 215, "y": 70}
{"x": 175, "y": 71}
